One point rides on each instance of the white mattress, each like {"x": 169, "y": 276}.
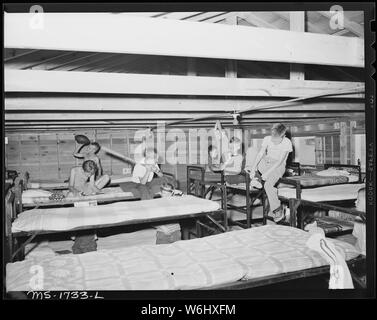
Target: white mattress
{"x": 192, "y": 264}
{"x": 60, "y": 219}
{"x": 329, "y": 193}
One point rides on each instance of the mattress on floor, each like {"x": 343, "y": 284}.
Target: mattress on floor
{"x": 192, "y": 264}
{"x": 60, "y": 219}
{"x": 329, "y": 193}
{"x": 35, "y": 196}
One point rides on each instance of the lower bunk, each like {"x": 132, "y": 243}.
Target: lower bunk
{"x": 238, "y": 259}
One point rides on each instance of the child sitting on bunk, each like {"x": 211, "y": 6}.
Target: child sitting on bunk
{"x": 270, "y": 162}
{"x": 89, "y": 152}
{"x": 82, "y": 180}
{"x": 143, "y": 185}
{"x": 359, "y": 227}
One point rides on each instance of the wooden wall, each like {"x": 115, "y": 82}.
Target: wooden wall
{"x": 49, "y": 155}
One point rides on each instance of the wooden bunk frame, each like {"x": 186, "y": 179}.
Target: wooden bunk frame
{"x": 355, "y": 265}
{"x": 20, "y": 187}
{"x": 332, "y": 205}
{"x": 251, "y": 196}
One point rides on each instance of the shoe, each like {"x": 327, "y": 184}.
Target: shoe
{"x": 278, "y": 215}
{"x": 256, "y": 183}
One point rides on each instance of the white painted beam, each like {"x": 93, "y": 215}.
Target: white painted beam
{"x": 95, "y": 33}
{"x": 160, "y": 116}
{"x": 171, "y": 104}
{"x": 116, "y": 83}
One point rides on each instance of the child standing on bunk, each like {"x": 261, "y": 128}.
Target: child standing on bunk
{"x": 269, "y": 165}
{"x": 143, "y": 185}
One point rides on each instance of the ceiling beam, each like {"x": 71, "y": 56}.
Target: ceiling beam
{"x": 67, "y": 63}
{"x": 43, "y": 61}
{"x": 91, "y": 32}
{"x": 19, "y": 55}
{"x": 64, "y": 103}
{"x": 297, "y": 23}
{"x": 116, "y": 83}
{"x": 255, "y": 20}
{"x": 28, "y": 116}
{"x": 221, "y": 17}
{"x": 179, "y": 15}
{"x": 206, "y": 15}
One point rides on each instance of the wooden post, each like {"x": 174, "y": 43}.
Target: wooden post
{"x": 231, "y": 65}
{"x": 191, "y": 66}
{"x": 111, "y": 158}
{"x": 343, "y": 143}
{"x": 332, "y": 149}
{"x": 297, "y": 23}
{"x": 352, "y": 143}
{"x": 57, "y": 154}
{"x": 319, "y": 150}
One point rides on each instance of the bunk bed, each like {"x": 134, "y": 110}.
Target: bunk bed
{"x": 23, "y": 227}
{"x": 210, "y": 181}
{"x": 339, "y": 190}
{"x": 27, "y": 198}
{"x": 233, "y": 260}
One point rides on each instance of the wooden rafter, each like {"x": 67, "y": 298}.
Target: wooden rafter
{"x": 20, "y": 55}
{"x": 180, "y": 15}
{"x": 43, "y": 61}
{"x": 349, "y": 25}
{"x": 255, "y": 20}
{"x": 90, "y": 82}
{"x": 75, "y": 60}
{"x": 158, "y": 104}
{"x": 221, "y": 17}
{"x": 108, "y": 56}
{"x": 204, "y": 16}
